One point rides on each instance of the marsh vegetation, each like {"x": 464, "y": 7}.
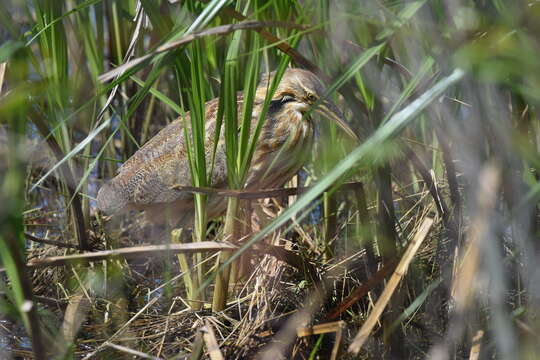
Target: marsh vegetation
{"x": 419, "y": 240}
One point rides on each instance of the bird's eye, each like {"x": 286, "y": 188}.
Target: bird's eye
{"x": 311, "y": 97}
{"x": 287, "y": 98}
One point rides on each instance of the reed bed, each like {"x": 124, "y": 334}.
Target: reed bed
{"x": 418, "y": 241}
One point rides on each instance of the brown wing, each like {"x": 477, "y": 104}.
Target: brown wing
{"x": 148, "y": 176}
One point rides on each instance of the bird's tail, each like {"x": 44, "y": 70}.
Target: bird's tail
{"x": 111, "y": 200}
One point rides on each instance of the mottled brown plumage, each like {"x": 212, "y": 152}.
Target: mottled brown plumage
{"x": 146, "y": 181}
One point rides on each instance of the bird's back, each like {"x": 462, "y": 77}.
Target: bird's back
{"x": 148, "y": 177}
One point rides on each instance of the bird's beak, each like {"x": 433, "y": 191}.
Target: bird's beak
{"x": 331, "y": 112}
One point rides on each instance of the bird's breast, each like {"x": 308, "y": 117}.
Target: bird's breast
{"x": 284, "y": 147}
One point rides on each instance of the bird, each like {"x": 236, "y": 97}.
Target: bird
{"x": 152, "y": 178}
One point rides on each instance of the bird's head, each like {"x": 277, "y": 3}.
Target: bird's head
{"x": 301, "y": 90}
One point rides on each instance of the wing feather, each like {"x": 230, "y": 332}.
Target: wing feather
{"x": 148, "y": 177}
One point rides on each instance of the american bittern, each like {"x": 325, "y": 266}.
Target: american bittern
{"x": 147, "y": 180}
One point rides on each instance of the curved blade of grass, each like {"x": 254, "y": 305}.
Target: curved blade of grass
{"x": 250, "y": 88}
{"x": 230, "y": 112}
{"x": 132, "y": 65}
{"x": 139, "y": 18}
{"x": 160, "y": 96}
{"x": 414, "y": 305}
{"x": 209, "y": 12}
{"x": 74, "y": 151}
{"x": 103, "y": 125}
{"x": 386, "y": 132}
{"x": 411, "y": 86}
{"x": 203, "y": 18}
{"x": 406, "y": 14}
{"x": 354, "y": 68}
{"x": 236, "y": 144}
{"x": 125, "y": 73}
{"x": 60, "y": 18}
{"x": 269, "y": 94}
{"x": 92, "y": 165}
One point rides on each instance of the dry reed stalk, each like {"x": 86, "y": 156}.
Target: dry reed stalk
{"x": 328, "y": 327}
{"x": 197, "y": 347}
{"x": 130, "y": 351}
{"x": 75, "y": 315}
{"x": 362, "y": 290}
{"x": 398, "y": 274}
{"x": 476, "y": 345}
{"x": 176, "y": 238}
{"x": 211, "y": 342}
{"x": 336, "y": 349}
{"x": 257, "y": 194}
{"x": 230, "y": 233}
{"x": 465, "y": 273}
{"x": 218, "y": 30}
{"x": 331, "y": 327}
{"x": 60, "y": 244}
{"x": 245, "y": 228}
{"x": 3, "y": 67}
{"x": 133, "y": 252}
{"x": 463, "y": 282}
{"x": 167, "y": 321}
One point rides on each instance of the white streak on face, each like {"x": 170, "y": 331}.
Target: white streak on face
{"x": 300, "y": 107}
